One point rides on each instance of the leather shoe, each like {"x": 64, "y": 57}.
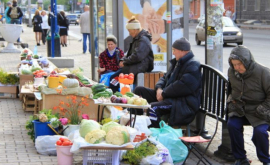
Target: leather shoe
{"x": 241, "y": 162}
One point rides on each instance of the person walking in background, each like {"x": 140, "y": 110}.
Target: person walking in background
{"x": 63, "y": 25}
{"x": 228, "y": 12}
{"x": 37, "y": 20}
{"x": 85, "y": 28}
{"x": 109, "y": 59}
{"x": 248, "y": 104}
{"x": 15, "y": 13}
{"x": 45, "y": 26}
{"x": 8, "y": 19}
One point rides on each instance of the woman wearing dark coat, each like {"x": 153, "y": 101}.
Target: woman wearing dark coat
{"x": 178, "y": 92}
{"x": 140, "y": 57}
{"x": 62, "y": 22}
{"x": 37, "y": 20}
{"x": 248, "y": 104}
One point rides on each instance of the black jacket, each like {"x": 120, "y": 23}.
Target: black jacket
{"x": 37, "y": 20}
{"x": 140, "y": 57}
{"x": 184, "y": 88}
{"x": 18, "y": 10}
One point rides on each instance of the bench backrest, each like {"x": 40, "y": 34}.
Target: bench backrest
{"x": 214, "y": 92}
{"x": 149, "y": 79}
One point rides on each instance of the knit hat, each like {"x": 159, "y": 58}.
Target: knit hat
{"x": 112, "y": 38}
{"x": 135, "y": 25}
{"x": 8, "y": 3}
{"x": 181, "y": 44}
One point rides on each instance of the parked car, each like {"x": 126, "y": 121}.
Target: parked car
{"x": 231, "y": 32}
{"x": 73, "y": 19}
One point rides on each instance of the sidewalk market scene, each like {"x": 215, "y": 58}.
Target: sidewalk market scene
{"x": 79, "y": 106}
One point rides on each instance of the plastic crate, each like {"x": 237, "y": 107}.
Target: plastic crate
{"x": 101, "y": 157}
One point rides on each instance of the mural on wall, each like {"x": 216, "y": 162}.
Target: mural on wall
{"x": 153, "y": 17}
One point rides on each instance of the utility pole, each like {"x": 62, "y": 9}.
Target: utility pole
{"x": 29, "y": 14}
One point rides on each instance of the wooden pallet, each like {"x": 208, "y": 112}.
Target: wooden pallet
{"x": 28, "y": 102}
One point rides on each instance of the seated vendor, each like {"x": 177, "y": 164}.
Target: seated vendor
{"x": 178, "y": 91}
{"x": 109, "y": 58}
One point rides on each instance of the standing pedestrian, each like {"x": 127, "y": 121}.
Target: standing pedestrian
{"x": 228, "y": 12}
{"x": 15, "y": 13}
{"x": 248, "y": 104}
{"x": 85, "y": 28}
{"x": 45, "y": 26}
{"x": 37, "y": 20}
{"x": 8, "y": 19}
{"x": 63, "y": 25}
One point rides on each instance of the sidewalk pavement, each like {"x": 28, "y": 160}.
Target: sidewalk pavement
{"x": 16, "y": 147}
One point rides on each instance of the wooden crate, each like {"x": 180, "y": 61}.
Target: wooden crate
{"x": 23, "y": 80}
{"x": 28, "y": 102}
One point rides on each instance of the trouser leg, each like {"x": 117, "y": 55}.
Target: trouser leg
{"x": 89, "y": 40}
{"x": 146, "y": 93}
{"x": 261, "y": 141}
{"x": 84, "y": 42}
{"x": 235, "y": 128}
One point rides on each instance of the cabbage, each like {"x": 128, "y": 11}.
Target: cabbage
{"x": 108, "y": 126}
{"x": 88, "y": 126}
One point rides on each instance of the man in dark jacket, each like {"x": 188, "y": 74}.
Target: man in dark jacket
{"x": 140, "y": 57}
{"x": 248, "y": 103}
{"x": 178, "y": 91}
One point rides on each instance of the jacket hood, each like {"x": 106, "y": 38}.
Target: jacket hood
{"x": 243, "y": 54}
{"x": 144, "y": 33}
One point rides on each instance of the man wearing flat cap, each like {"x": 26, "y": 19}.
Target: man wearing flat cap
{"x": 178, "y": 92}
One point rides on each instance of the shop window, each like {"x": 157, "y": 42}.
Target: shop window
{"x": 257, "y": 5}
{"x": 244, "y": 5}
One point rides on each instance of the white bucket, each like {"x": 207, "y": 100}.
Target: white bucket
{"x": 38, "y": 81}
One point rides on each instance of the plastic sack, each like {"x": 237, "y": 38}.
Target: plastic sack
{"x": 35, "y": 50}
{"x": 105, "y": 78}
{"x": 162, "y": 156}
{"x": 169, "y": 137}
{"x": 45, "y": 145}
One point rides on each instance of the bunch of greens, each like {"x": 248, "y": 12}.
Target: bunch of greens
{"x": 8, "y": 78}
{"x": 107, "y": 120}
{"x": 135, "y": 156}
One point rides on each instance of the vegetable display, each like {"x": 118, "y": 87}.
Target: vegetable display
{"x": 95, "y": 136}
{"x": 88, "y": 126}
{"x": 118, "y": 135}
{"x": 64, "y": 142}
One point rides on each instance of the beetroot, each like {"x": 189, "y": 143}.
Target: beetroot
{"x": 124, "y": 100}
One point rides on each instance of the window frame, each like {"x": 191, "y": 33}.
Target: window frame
{"x": 257, "y": 5}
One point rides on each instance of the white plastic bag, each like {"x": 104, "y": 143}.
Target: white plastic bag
{"x": 45, "y": 145}
{"x": 162, "y": 156}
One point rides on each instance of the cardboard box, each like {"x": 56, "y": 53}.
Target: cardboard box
{"x": 8, "y": 91}
{"x": 50, "y": 101}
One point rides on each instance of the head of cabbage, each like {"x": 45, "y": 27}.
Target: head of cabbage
{"x": 88, "y": 126}
{"x": 108, "y": 126}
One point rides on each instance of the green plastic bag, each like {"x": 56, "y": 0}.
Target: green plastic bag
{"x": 169, "y": 137}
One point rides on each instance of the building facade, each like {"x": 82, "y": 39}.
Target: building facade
{"x": 253, "y": 10}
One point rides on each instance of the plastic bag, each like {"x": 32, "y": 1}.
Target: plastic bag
{"x": 162, "y": 156}
{"x": 45, "y": 145}
{"x": 169, "y": 137}
{"x": 105, "y": 78}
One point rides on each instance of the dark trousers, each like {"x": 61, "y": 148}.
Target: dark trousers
{"x": 115, "y": 88}
{"x": 158, "y": 108}
{"x": 259, "y": 138}
{"x": 44, "y": 34}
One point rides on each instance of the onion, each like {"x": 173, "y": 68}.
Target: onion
{"x": 124, "y": 100}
